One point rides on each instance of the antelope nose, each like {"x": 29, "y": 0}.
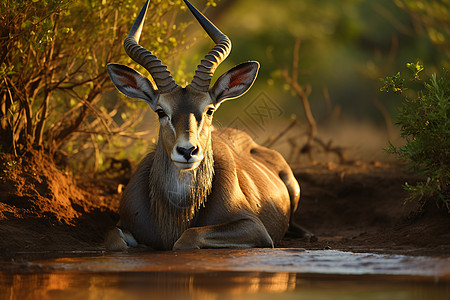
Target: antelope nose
{"x": 187, "y": 153}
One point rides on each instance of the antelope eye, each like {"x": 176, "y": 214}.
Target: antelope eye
{"x": 210, "y": 111}
{"x": 161, "y": 113}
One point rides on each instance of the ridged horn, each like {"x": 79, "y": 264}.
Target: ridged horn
{"x": 145, "y": 58}
{"x": 216, "y": 55}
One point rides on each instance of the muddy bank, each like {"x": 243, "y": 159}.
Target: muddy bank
{"x": 358, "y": 207}
{"x": 363, "y": 207}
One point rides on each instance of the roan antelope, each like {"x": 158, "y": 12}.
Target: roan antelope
{"x": 202, "y": 187}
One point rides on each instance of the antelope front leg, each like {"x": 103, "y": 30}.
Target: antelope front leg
{"x": 244, "y": 233}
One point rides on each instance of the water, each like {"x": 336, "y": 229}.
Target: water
{"x": 222, "y": 274}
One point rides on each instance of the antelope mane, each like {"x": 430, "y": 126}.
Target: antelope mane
{"x": 178, "y": 194}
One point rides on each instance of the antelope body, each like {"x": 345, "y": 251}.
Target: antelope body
{"x": 201, "y": 187}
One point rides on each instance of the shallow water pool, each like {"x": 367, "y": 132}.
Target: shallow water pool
{"x": 222, "y": 274}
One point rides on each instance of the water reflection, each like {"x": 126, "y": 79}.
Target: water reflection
{"x": 225, "y": 274}
{"x": 154, "y": 285}
{"x": 213, "y": 285}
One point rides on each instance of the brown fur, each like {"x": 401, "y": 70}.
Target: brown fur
{"x": 202, "y": 188}
{"x": 250, "y": 204}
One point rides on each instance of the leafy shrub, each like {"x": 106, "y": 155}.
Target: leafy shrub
{"x": 425, "y": 126}
{"x": 53, "y": 79}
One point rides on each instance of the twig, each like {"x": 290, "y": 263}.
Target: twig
{"x": 271, "y": 142}
{"x": 303, "y": 93}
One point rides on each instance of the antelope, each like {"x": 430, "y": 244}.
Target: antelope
{"x": 201, "y": 187}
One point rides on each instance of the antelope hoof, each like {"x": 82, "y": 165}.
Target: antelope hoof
{"x": 188, "y": 240}
{"x": 119, "y": 240}
{"x": 181, "y": 245}
{"x": 298, "y": 231}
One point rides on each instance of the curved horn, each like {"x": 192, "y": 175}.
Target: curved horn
{"x": 216, "y": 55}
{"x": 145, "y": 58}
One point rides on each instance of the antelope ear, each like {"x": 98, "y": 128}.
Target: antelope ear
{"x": 235, "y": 82}
{"x": 132, "y": 83}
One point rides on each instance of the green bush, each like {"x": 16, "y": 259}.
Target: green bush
{"x": 53, "y": 79}
{"x": 425, "y": 126}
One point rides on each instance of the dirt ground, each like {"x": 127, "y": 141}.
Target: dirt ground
{"x": 354, "y": 207}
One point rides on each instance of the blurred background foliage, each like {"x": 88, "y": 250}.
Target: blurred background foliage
{"x": 54, "y": 53}
{"x": 346, "y": 46}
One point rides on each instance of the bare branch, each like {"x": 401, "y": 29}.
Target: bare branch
{"x": 303, "y": 92}
{"x": 270, "y": 142}
{"x": 304, "y": 98}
